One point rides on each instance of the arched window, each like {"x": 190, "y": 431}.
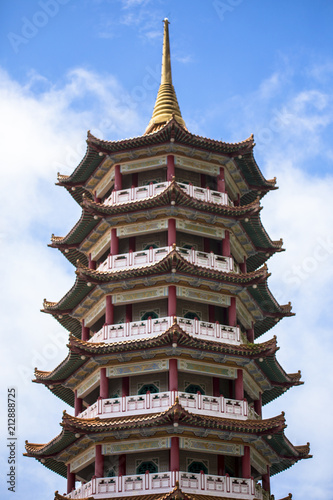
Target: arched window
{"x": 191, "y": 315}
{"x": 111, "y": 472}
{"x": 148, "y": 387}
{"x": 147, "y": 466}
{"x": 149, "y": 314}
{"x": 150, "y": 245}
{"x": 197, "y": 467}
{"x": 194, "y": 389}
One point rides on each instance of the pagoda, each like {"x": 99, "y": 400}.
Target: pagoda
{"x": 164, "y": 369}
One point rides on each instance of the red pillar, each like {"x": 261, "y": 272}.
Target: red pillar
{"x": 173, "y": 375}
{"x": 226, "y": 252}
{"x": 99, "y": 461}
{"x": 122, "y": 465}
{"x": 211, "y": 313}
{"x": 206, "y": 245}
{"x": 131, "y": 243}
{"x": 242, "y": 267}
{"x": 239, "y": 385}
{"x": 250, "y": 334}
{"x": 174, "y": 454}
{"x": 104, "y": 384}
{"x": 77, "y": 404}
{"x": 70, "y": 479}
{"x": 203, "y": 180}
{"x": 109, "y": 310}
{"x": 114, "y": 246}
{"x": 135, "y": 180}
{"x": 258, "y": 405}
{"x": 216, "y": 387}
{"x": 221, "y": 181}
{"x": 220, "y": 465}
{"x": 232, "y": 317}
{"x": 125, "y": 387}
{"x": 96, "y": 198}
{"x": 266, "y": 482}
{"x": 246, "y": 463}
{"x": 84, "y": 332}
{"x": 128, "y": 313}
{"x": 171, "y": 231}
{"x": 92, "y": 263}
{"x": 170, "y": 167}
{"x": 172, "y": 300}
{"x": 117, "y": 178}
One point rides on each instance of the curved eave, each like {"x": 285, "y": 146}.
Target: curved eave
{"x": 76, "y": 235}
{"x": 176, "y": 413}
{"x": 289, "y": 453}
{"x": 72, "y": 426}
{"x": 270, "y": 430}
{"x": 173, "y": 262}
{"x": 86, "y": 277}
{"x": 176, "y": 133}
{"x": 90, "y": 162}
{"x": 77, "y": 191}
{"x": 258, "y": 185}
{"x": 261, "y": 257}
{"x": 78, "y": 348}
{"x": 258, "y": 235}
{"x": 279, "y": 379}
{"x": 173, "y": 193}
{"x": 66, "y": 368}
{"x": 273, "y": 311}
{"x": 173, "y": 335}
{"x": 255, "y": 282}
{"x": 71, "y": 254}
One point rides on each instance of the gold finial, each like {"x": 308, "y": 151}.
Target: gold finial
{"x": 166, "y": 105}
{"x": 166, "y": 76}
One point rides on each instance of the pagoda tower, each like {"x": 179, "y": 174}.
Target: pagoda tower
{"x": 164, "y": 369}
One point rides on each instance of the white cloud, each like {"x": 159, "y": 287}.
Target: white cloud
{"x": 293, "y": 145}
{"x": 45, "y": 130}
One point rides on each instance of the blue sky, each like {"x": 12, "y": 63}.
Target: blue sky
{"x": 239, "y": 67}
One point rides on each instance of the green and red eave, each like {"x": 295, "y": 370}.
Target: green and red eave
{"x": 171, "y": 133}
{"x": 82, "y": 352}
{"x": 270, "y": 431}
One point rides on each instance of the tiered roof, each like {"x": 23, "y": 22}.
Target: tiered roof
{"x": 269, "y": 432}
{"x": 253, "y": 283}
{"x": 89, "y": 356}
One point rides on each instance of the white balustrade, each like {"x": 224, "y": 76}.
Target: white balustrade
{"x": 130, "y": 405}
{"x": 135, "y": 193}
{"x": 205, "y": 194}
{"x": 150, "y": 190}
{"x": 153, "y": 255}
{"x": 158, "y": 402}
{"x": 164, "y": 482}
{"x": 143, "y": 329}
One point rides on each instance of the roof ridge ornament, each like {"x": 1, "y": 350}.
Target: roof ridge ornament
{"x": 166, "y": 105}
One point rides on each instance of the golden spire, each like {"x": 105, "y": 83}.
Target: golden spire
{"x": 166, "y": 105}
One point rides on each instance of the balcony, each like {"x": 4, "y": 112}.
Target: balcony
{"x": 151, "y": 190}
{"x": 154, "y": 255}
{"x": 164, "y": 482}
{"x": 152, "y": 327}
{"x": 157, "y": 402}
